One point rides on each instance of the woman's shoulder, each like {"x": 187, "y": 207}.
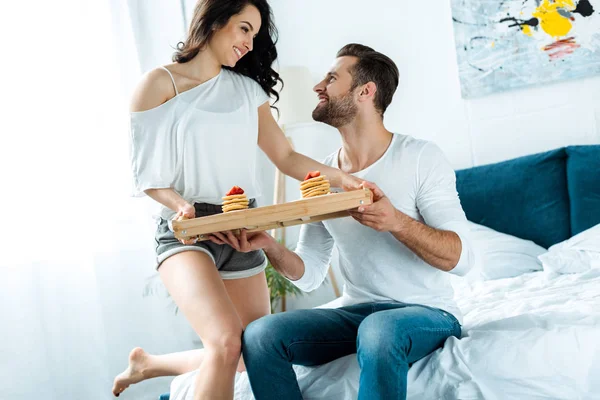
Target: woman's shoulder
{"x": 154, "y": 88}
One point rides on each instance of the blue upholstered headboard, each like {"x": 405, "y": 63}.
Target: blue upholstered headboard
{"x": 546, "y": 197}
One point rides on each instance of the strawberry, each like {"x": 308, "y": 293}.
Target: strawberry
{"x": 235, "y": 190}
{"x": 312, "y": 174}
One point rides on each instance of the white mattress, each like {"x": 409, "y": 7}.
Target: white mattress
{"x": 536, "y": 336}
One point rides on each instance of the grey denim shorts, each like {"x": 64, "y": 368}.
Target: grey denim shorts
{"x": 230, "y": 263}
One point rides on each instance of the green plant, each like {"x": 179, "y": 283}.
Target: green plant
{"x": 279, "y": 287}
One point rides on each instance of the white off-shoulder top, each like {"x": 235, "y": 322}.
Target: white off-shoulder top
{"x": 201, "y": 142}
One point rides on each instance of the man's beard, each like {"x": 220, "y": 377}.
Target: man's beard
{"x": 336, "y": 112}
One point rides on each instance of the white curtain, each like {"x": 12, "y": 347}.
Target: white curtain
{"x": 76, "y": 249}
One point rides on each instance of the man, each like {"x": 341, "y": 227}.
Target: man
{"x": 395, "y": 254}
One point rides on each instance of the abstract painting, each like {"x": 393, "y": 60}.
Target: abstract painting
{"x": 507, "y": 44}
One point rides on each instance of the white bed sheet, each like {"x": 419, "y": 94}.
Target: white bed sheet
{"x": 536, "y": 336}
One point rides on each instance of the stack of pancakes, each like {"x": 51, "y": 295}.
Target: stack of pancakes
{"x": 314, "y": 187}
{"x": 234, "y": 202}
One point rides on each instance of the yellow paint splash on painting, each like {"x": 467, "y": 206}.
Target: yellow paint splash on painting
{"x": 527, "y": 30}
{"x": 551, "y": 21}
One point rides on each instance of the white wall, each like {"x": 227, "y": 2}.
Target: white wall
{"x": 158, "y": 27}
{"x": 428, "y": 104}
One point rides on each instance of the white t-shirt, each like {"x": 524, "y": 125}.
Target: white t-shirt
{"x": 419, "y": 181}
{"x": 201, "y": 143}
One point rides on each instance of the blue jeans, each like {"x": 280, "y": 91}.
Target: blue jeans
{"x": 386, "y": 337}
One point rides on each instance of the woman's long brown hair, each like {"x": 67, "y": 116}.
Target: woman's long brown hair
{"x": 212, "y": 15}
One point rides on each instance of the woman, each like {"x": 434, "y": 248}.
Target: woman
{"x": 195, "y": 125}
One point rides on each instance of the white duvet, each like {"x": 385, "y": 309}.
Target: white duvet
{"x": 536, "y": 336}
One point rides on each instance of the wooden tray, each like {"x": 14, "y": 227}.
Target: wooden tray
{"x": 314, "y": 209}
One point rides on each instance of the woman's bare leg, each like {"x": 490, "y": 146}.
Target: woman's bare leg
{"x": 144, "y": 366}
{"x": 250, "y": 297}
{"x": 196, "y": 287}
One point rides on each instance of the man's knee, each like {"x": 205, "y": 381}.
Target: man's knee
{"x": 262, "y": 335}
{"x": 254, "y": 332}
{"x": 378, "y": 335}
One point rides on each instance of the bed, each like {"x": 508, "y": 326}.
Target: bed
{"x": 535, "y": 336}
{"x": 529, "y": 331}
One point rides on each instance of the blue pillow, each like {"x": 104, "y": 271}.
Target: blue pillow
{"x": 583, "y": 180}
{"x": 526, "y": 197}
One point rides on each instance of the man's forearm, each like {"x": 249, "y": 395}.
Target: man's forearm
{"x": 286, "y": 262}
{"x": 438, "y": 248}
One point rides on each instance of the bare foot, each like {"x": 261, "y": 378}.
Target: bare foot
{"x": 134, "y": 373}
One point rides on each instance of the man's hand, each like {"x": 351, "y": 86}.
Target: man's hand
{"x": 245, "y": 242}
{"x": 381, "y": 215}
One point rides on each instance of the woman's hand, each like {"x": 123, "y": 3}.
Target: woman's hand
{"x": 186, "y": 211}
{"x": 350, "y": 182}
{"x": 244, "y": 242}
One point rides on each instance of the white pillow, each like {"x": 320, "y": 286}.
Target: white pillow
{"x": 577, "y": 254}
{"x": 498, "y": 255}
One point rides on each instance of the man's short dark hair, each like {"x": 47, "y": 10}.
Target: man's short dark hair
{"x": 372, "y": 66}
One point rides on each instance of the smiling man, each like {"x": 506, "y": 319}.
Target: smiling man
{"x": 395, "y": 254}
